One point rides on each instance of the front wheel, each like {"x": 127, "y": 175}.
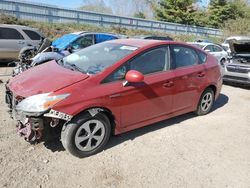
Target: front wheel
{"x": 206, "y": 102}
{"x": 222, "y": 62}
{"x": 86, "y": 135}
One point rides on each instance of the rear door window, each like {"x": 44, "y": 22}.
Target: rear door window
{"x": 183, "y": 56}
{"x": 10, "y": 33}
{"x": 103, "y": 37}
{"x": 83, "y": 42}
{"x": 209, "y": 48}
{"x": 217, "y": 49}
{"x": 32, "y": 34}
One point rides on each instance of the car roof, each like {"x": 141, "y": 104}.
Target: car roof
{"x": 146, "y": 36}
{"x": 87, "y": 32}
{"x": 17, "y": 26}
{"x": 202, "y": 43}
{"x": 140, "y": 43}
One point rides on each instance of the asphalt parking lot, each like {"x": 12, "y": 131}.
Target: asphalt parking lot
{"x": 186, "y": 151}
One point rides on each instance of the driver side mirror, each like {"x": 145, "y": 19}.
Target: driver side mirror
{"x": 133, "y": 76}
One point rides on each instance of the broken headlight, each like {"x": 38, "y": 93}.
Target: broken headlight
{"x": 38, "y": 104}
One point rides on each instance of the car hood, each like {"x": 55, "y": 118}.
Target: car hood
{"x": 44, "y": 78}
{"x": 48, "y": 56}
{"x": 240, "y": 46}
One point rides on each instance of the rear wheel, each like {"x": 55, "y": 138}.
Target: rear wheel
{"x": 206, "y": 102}
{"x": 86, "y": 135}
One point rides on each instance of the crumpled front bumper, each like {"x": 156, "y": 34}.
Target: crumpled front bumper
{"x": 237, "y": 73}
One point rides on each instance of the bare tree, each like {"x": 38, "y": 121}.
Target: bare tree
{"x": 96, "y": 6}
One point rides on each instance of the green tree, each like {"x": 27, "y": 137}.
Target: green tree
{"x": 220, "y": 11}
{"x": 200, "y": 18}
{"x": 177, "y": 11}
{"x": 239, "y": 26}
{"x": 140, "y": 15}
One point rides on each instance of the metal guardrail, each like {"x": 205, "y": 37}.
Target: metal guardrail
{"x": 52, "y": 14}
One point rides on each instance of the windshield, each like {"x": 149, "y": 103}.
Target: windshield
{"x": 63, "y": 42}
{"x": 96, "y": 58}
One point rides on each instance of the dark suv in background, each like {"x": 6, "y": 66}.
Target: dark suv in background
{"x": 14, "y": 37}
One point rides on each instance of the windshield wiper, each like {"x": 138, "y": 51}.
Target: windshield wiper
{"x": 74, "y": 67}
{"x": 60, "y": 61}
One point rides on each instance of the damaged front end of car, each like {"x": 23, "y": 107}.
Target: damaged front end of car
{"x": 34, "y": 114}
{"x": 238, "y": 68}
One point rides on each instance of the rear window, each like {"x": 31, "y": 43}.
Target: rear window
{"x": 32, "y": 34}
{"x": 10, "y": 33}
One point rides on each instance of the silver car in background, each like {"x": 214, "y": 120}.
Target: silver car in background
{"x": 14, "y": 37}
{"x": 214, "y": 49}
{"x": 238, "y": 68}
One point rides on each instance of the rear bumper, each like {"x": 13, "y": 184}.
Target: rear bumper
{"x": 219, "y": 86}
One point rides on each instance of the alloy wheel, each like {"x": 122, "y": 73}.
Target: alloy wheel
{"x": 89, "y": 135}
{"x": 206, "y": 101}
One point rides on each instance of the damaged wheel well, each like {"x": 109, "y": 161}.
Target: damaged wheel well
{"x": 213, "y": 88}
{"x": 95, "y": 110}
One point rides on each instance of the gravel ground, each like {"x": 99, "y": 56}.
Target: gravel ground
{"x": 187, "y": 151}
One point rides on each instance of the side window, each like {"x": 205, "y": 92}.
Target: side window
{"x": 10, "y": 33}
{"x": 82, "y": 42}
{"x": 150, "y": 62}
{"x": 155, "y": 60}
{"x": 103, "y": 37}
{"x": 183, "y": 56}
{"x": 209, "y": 48}
{"x": 202, "y": 57}
{"x": 217, "y": 49}
{"x": 32, "y": 34}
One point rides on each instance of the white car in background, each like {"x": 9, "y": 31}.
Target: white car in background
{"x": 214, "y": 49}
{"x": 15, "y": 37}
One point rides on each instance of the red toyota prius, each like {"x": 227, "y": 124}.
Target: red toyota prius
{"x": 111, "y": 88}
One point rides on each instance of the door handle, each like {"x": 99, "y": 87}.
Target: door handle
{"x": 168, "y": 84}
{"x": 201, "y": 74}
{"x": 115, "y": 95}
{"x": 20, "y": 42}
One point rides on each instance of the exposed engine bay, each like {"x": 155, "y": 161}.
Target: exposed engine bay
{"x": 238, "y": 68}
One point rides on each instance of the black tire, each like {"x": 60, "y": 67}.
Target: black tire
{"x": 70, "y": 133}
{"x": 206, "y": 102}
{"x": 222, "y": 62}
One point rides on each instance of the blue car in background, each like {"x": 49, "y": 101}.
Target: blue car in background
{"x": 70, "y": 43}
